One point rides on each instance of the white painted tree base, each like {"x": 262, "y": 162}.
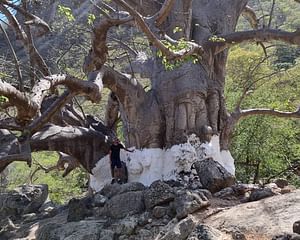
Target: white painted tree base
{"x": 149, "y": 165}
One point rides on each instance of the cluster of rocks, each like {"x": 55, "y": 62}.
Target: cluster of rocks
{"x": 165, "y": 210}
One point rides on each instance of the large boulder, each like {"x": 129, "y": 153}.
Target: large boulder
{"x": 82, "y": 230}
{"x": 213, "y": 175}
{"x": 128, "y": 203}
{"x": 178, "y": 230}
{"x": 22, "y": 200}
{"x": 111, "y": 190}
{"x": 79, "y": 209}
{"x": 157, "y": 194}
{"x": 187, "y": 202}
{"x": 259, "y": 194}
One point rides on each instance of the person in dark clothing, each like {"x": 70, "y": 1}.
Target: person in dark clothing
{"x": 115, "y": 160}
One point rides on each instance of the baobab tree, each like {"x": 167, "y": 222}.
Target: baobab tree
{"x": 189, "y": 41}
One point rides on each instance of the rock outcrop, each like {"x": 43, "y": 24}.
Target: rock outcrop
{"x": 163, "y": 211}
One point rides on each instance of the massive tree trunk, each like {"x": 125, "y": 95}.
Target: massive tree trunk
{"x": 189, "y": 98}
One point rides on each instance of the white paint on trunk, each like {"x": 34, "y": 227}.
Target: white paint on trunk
{"x": 149, "y": 165}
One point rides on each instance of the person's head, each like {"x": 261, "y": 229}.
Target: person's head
{"x": 116, "y": 141}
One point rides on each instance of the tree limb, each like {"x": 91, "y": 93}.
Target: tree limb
{"x": 251, "y": 17}
{"x": 26, "y": 109}
{"x": 270, "y": 112}
{"x": 33, "y": 52}
{"x": 16, "y": 61}
{"x": 193, "y": 49}
{"x": 86, "y": 145}
{"x": 164, "y": 12}
{"x": 45, "y": 117}
{"x": 261, "y": 35}
{"x": 99, "y": 51}
{"x": 91, "y": 88}
{"x": 33, "y": 20}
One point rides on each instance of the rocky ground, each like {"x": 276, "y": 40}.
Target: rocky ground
{"x": 174, "y": 210}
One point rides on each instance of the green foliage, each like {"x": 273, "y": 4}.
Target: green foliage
{"x": 215, "y": 38}
{"x": 263, "y": 146}
{"x": 66, "y": 12}
{"x": 60, "y": 189}
{"x": 91, "y": 19}
{"x": 177, "y": 29}
{"x": 182, "y": 44}
{"x": 286, "y": 56}
{"x": 3, "y": 99}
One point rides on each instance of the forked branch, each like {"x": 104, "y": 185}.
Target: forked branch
{"x": 192, "y": 49}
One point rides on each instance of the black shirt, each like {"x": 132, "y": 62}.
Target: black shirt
{"x": 115, "y": 151}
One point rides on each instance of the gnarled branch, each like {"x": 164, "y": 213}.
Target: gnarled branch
{"x": 261, "y": 35}
{"x": 26, "y": 109}
{"x": 193, "y": 48}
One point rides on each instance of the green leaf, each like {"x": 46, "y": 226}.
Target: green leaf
{"x": 91, "y": 18}
{"x": 177, "y": 29}
{"x": 3, "y": 99}
{"x": 66, "y": 12}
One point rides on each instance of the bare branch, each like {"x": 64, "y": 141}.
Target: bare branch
{"x": 33, "y": 52}
{"x": 100, "y": 9}
{"x": 270, "y": 112}
{"x": 193, "y": 49}
{"x": 261, "y": 35}
{"x": 33, "y": 20}
{"x": 251, "y": 17}
{"x": 39, "y": 122}
{"x": 6, "y": 160}
{"x": 21, "y": 35}
{"x": 164, "y": 12}
{"x": 99, "y": 51}
{"x": 26, "y": 109}
{"x": 63, "y": 160}
{"x": 91, "y": 88}
{"x": 271, "y": 14}
{"x": 16, "y": 61}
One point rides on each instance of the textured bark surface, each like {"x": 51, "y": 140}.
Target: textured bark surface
{"x": 189, "y": 98}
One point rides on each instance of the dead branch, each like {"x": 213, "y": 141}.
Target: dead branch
{"x": 270, "y": 112}
{"x": 16, "y": 61}
{"x": 251, "y": 17}
{"x": 65, "y": 163}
